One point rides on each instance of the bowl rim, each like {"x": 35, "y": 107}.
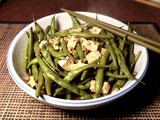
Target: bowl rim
{"x": 63, "y": 103}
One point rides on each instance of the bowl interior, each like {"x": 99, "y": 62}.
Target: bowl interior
{"x": 15, "y": 55}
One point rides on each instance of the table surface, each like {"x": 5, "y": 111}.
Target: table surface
{"x": 143, "y": 102}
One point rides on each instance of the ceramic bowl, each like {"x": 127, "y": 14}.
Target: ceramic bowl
{"x": 14, "y": 64}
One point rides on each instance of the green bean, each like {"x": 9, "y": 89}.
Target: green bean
{"x": 131, "y": 61}
{"x": 115, "y": 75}
{"x": 86, "y": 80}
{"x": 80, "y": 52}
{"x": 74, "y": 73}
{"x": 40, "y": 83}
{"x": 122, "y": 43}
{"x": 39, "y": 31}
{"x": 137, "y": 56}
{"x": 111, "y": 79}
{"x": 59, "y": 80}
{"x": 47, "y": 55}
{"x": 83, "y": 34}
{"x": 100, "y": 73}
{"x": 84, "y": 74}
{"x": 65, "y": 50}
{"x": 121, "y": 60}
{"x": 83, "y": 87}
{"x": 47, "y": 84}
{"x": 112, "y": 53}
{"x": 54, "y": 53}
{"x": 47, "y": 30}
{"x": 68, "y": 96}
{"x": 33, "y": 61}
{"x": 35, "y": 72}
{"x": 120, "y": 83}
{"x": 58, "y": 91}
{"x": 36, "y": 48}
{"x": 56, "y": 62}
{"x": 52, "y": 24}
{"x": 85, "y": 97}
{"x": 75, "y": 21}
{"x": 30, "y": 46}
{"x": 25, "y": 53}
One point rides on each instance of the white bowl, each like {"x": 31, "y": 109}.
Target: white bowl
{"x": 14, "y": 64}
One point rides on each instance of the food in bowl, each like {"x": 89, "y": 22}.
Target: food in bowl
{"x": 57, "y": 57}
{"x": 81, "y": 62}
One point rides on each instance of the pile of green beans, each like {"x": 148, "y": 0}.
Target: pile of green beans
{"x": 115, "y": 66}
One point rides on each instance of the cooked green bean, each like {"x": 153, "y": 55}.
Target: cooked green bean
{"x": 65, "y": 50}
{"x": 115, "y": 75}
{"x": 53, "y": 26}
{"x": 46, "y": 55}
{"x": 33, "y": 61}
{"x": 84, "y": 74}
{"x": 60, "y": 81}
{"x": 36, "y": 48}
{"x": 47, "y": 84}
{"x": 40, "y": 83}
{"x": 35, "y": 72}
{"x": 75, "y": 21}
{"x": 74, "y": 73}
{"x": 54, "y": 53}
{"x": 80, "y": 52}
{"x": 100, "y": 73}
{"x": 118, "y": 84}
{"x": 121, "y": 61}
{"x": 137, "y": 56}
{"x": 122, "y": 43}
{"x": 112, "y": 53}
{"x": 25, "y": 53}
{"x": 39, "y": 32}
{"x": 30, "y": 46}
{"x": 83, "y": 34}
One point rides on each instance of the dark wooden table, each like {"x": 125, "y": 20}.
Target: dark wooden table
{"x": 143, "y": 102}
{"x": 123, "y": 10}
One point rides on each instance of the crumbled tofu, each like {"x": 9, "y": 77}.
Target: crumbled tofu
{"x": 62, "y": 62}
{"x": 69, "y": 65}
{"x": 43, "y": 42}
{"x": 92, "y": 86}
{"x": 92, "y": 56}
{"x": 90, "y": 45}
{"x": 115, "y": 90}
{"x": 32, "y": 82}
{"x": 54, "y": 43}
{"x": 66, "y": 64}
{"x": 105, "y": 88}
{"x": 75, "y": 30}
{"x": 95, "y": 30}
{"x": 72, "y": 43}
